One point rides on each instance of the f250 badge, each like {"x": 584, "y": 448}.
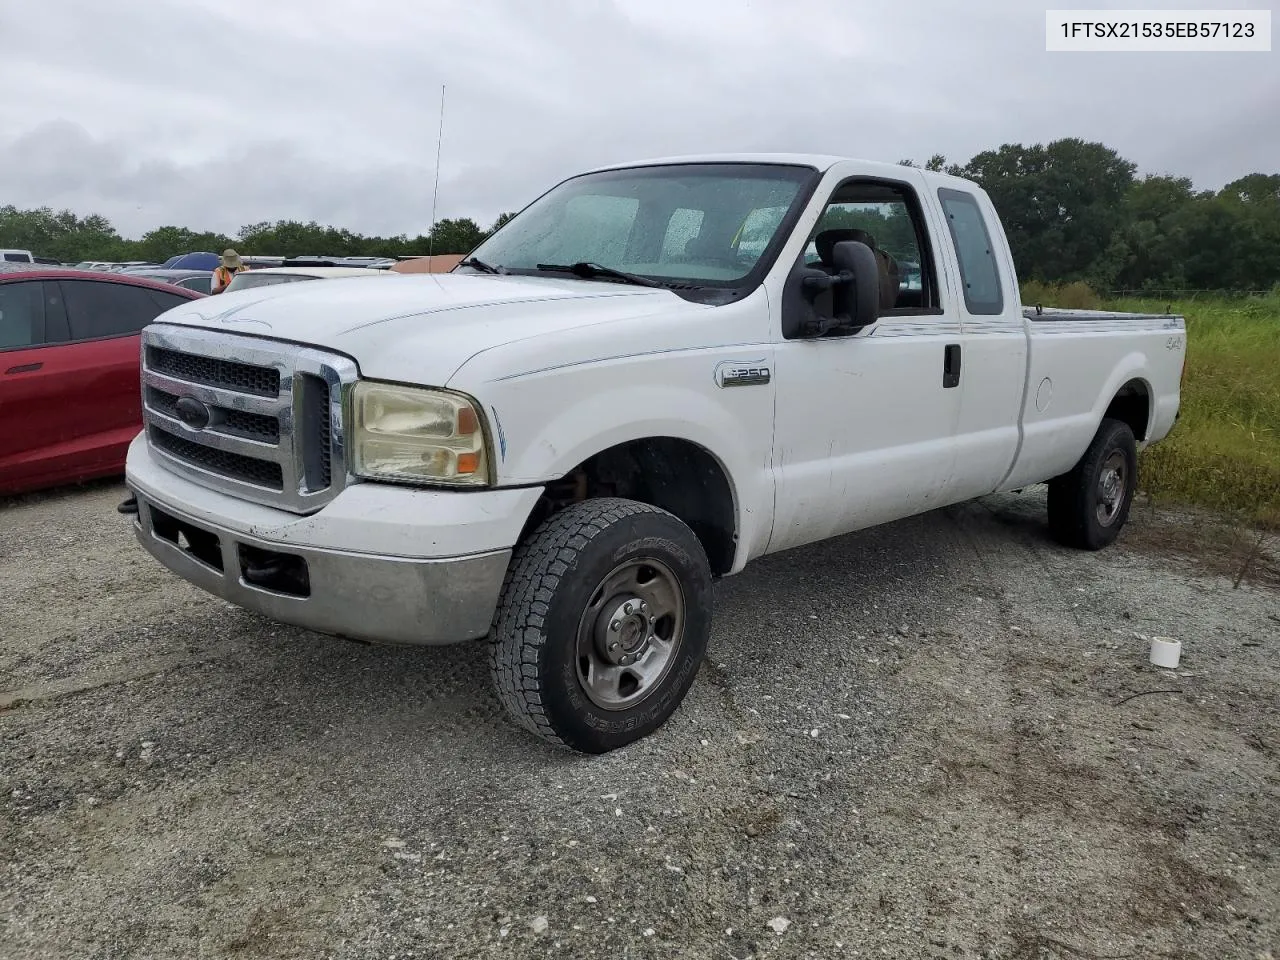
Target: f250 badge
{"x": 738, "y": 373}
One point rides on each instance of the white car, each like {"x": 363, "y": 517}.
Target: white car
{"x": 16, "y": 256}
{"x": 560, "y": 444}
{"x": 270, "y": 276}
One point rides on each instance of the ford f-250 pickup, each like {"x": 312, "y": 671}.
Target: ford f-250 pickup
{"x": 652, "y": 375}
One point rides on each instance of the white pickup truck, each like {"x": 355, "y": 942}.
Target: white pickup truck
{"x": 652, "y": 375}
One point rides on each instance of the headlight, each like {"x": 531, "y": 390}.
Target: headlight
{"x": 409, "y": 434}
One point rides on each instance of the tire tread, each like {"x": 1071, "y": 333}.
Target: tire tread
{"x": 1070, "y": 519}
{"x": 535, "y": 572}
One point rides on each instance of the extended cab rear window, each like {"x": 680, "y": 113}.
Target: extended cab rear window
{"x": 978, "y": 271}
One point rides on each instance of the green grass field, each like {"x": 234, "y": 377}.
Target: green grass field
{"x": 1224, "y": 452}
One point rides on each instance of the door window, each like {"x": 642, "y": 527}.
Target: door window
{"x": 978, "y": 272}
{"x": 21, "y": 314}
{"x": 887, "y": 217}
{"x": 97, "y": 309}
{"x": 166, "y": 300}
{"x": 198, "y": 284}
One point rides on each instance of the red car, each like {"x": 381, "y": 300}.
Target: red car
{"x": 70, "y": 394}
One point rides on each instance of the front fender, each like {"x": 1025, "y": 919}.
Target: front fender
{"x": 593, "y": 412}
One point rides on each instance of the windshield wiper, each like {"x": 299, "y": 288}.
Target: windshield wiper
{"x": 589, "y": 271}
{"x": 480, "y": 265}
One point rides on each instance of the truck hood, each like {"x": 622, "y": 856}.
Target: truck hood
{"x": 419, "y": 328}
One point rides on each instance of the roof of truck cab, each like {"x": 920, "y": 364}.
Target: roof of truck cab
{"x": 819, "y": 161}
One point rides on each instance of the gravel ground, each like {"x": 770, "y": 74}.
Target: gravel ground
{"x": 911, "y": 742}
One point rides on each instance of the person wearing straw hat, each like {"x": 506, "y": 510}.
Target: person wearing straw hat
{"x": 230, "y": 266}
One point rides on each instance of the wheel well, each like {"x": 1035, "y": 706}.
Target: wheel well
{"x": 1132, "y": 405}
{"x": 676, "y": 475}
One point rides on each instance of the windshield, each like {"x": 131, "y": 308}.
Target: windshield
{"x": 243, "y": 281}
{"x": 702, "y": 224}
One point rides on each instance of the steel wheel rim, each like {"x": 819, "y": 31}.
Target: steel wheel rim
{"x": 630, "y": 633}
{"x": 1112, "y": 487}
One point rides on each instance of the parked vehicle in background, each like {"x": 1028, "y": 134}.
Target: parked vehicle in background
{"x": 375, "y": 263}
{"x": 69, "y": 349}
{"x": 276, "y": 275}
{"x": 109, "y": 266}
{"x": 440, "y": 263}
{"x": 257, "y": 262}
{"x": 16, "y": 256}
{"x": 200, "y": 281}
{"x": 610, "y": 402}
{"x": 202, "y": 260}
{"x": 310, "y": 261}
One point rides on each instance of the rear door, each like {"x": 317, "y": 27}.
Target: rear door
{"x": 102, "y": 400}
{"x": 993, "y": 356}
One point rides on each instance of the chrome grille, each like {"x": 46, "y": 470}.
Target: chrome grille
{"x": 241, "y": 377}
{"x": 259, "y": 419}
{"x": 262, "y": 473}
{"x": 239, "y": 423}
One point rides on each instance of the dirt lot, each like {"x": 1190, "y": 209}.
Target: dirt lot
{"x": 914, "y": 742}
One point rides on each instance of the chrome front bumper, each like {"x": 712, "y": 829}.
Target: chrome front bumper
{"x": 361, "y": 596}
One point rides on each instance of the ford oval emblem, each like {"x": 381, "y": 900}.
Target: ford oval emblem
{"x": 193, "y": 413}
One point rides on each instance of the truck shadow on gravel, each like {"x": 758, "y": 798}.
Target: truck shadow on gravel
{"x": 821, "y": 604}
{"x": 785, "y": 613}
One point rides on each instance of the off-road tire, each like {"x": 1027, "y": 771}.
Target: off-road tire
{"x": 551, "y": 580}
{"x": 1074, "y": 497}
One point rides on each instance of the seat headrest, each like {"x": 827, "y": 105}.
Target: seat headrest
{"x": 825, "y": 241}
{"x": 861, "y": 236}
{"x": 701, "y": 246}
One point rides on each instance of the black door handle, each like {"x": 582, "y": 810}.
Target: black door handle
{"x": 24, "y": 368}
{"x": 951, "y": 366}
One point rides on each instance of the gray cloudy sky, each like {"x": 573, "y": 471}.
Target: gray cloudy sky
{"x": 218, "y": 114}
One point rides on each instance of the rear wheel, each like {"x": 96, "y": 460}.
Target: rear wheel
{"x": 1089, "y": 505}
{"x": 603, "y": 624}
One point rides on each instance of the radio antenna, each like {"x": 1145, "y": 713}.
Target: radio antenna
{"x": 435, "y": 194}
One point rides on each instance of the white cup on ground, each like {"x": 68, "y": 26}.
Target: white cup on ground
{"x": 1165, "y": 652}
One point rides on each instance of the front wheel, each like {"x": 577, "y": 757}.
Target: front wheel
{"x": 602, "y": 625}
{"x": 1089, "y": 505}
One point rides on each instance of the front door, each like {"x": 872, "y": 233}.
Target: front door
{"x": 865, "y": 425}
{"x": 28, "y": 408}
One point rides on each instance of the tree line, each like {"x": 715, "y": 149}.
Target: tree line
{"x": 1073, "y": 211}
{"x": 71, "y": 239}
{"x": 1078, "y": 211}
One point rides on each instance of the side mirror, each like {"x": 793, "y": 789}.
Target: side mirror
{"x": 816, "y": 304}
{"x": 859, "y": 300}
